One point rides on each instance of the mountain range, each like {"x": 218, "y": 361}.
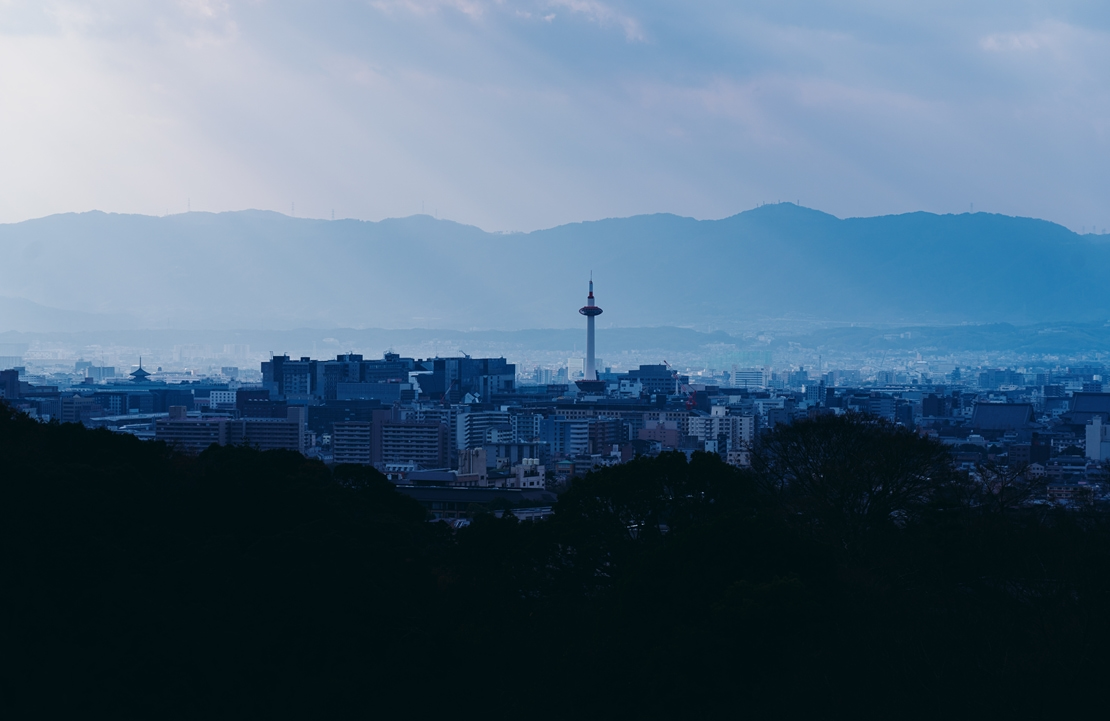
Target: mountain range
{"x": 776, "y": 264}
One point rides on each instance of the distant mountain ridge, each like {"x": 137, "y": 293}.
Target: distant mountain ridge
{"x": 258, "y": 269}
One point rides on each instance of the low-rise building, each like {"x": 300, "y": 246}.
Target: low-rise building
{"x": 528, "y": 474}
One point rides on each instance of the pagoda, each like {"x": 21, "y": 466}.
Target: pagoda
{"x": 140, "y": 376}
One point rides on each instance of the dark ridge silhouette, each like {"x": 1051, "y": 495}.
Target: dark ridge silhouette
{"x": 254, "y": 269}
{"x": 850, "y": 575}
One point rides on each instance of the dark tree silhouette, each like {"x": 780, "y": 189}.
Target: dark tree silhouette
{"x": 1004, "y": 487}
{"x": 844, "y": 476}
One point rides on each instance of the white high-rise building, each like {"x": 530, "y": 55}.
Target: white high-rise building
{"x": 748, "y": 378}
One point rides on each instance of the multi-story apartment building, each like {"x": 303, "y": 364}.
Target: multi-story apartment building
{"x": 271, "y": 433}
{"x": 423, "y": 443}
{"x": 739, "y": 431}
{"x": 351, "y": 442}
{"x": 472, "y": 427}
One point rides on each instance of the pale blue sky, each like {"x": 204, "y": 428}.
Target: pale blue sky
{"x": 521, "y": 115}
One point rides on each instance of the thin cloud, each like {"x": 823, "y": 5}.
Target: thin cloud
{"x": 603, "y": 15}
{"x": 470, "y": 8}
{"x": 1001, "y": 42}
{"x": 592, "y": 11}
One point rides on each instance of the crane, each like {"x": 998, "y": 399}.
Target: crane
{"x": 674, "y": 375}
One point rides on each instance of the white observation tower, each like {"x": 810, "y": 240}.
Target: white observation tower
{"x": 591, "y": 311}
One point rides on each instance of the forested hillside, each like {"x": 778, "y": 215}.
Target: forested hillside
{"x": 776, "y": 263}
{"x": 851, "y": 573}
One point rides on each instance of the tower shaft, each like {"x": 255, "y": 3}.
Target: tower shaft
{"x": 591, "y": 372}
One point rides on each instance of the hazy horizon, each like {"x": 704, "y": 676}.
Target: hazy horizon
{"x": 771, "y": 266}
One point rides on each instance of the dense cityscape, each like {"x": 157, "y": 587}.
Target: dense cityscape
{"x": 462, "y": 433}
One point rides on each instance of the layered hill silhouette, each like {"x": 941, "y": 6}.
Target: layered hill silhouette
{"x": 258, "y": 269}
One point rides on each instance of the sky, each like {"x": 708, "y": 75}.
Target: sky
{"x": 525, "y": 114}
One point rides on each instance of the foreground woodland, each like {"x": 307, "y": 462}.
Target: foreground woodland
{"x": 850, "y": 572}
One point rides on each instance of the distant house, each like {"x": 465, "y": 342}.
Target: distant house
{"x": 1068, "y": 491}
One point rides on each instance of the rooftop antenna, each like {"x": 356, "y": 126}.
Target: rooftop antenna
{"x": 189, "y": 205}
{"x": 333, "y": 213}
{"x": 292, "y": 209}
